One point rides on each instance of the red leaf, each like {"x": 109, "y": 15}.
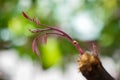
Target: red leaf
{"x": 44, "y": 39}
{"x": 37, "y": 51}
{"x": 26, "y": 16}
{"x": 34, "y": 47}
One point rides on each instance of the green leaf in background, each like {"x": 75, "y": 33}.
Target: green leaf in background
{"x": 51, "y": 54}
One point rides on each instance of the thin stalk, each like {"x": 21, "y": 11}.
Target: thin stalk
{"x": 75, "y": 43}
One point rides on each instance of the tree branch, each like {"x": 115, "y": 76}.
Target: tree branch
{"x": 91, "y": 67}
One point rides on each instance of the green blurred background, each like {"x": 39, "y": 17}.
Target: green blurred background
{"x": 86, "y": 21}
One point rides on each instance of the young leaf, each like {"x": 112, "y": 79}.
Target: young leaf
{"x": 44, "y": 39}
{"x": 34, "y": 46}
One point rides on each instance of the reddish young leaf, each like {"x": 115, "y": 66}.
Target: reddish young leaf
{"x": 44, "y": 39}
{"x": 37, "y": 51}
{"x": 34, "y": 47}
{"x": 26, "y": 16}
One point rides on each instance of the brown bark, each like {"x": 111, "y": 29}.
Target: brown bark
{"x": 91, "y": 67}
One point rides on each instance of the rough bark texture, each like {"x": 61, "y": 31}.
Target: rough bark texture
{"x": 91, "y": 67}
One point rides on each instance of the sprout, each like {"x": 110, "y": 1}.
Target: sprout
{"x": 43, "y": 33}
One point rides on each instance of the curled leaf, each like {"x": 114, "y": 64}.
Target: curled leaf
{"x": 37, "y": 51}
{"x": 34, "y": 47}
{"x": 44, "y": 38}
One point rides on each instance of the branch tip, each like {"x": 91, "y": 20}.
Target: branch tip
{"x": 44, "y": 33}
